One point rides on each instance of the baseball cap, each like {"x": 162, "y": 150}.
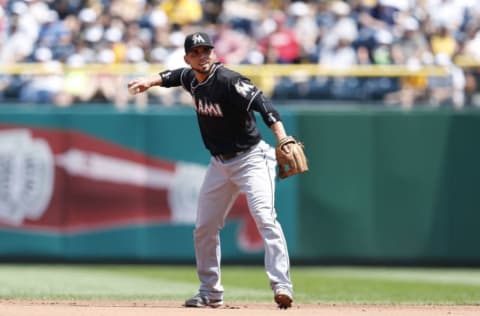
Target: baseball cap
{"x": 196, "y": 40}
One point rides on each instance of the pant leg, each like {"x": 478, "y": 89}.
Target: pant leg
{"x": 216, "y": 197}
{"x": 256, "y": 177}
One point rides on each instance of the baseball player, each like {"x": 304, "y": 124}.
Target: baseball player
{"x": 241, "y": 161}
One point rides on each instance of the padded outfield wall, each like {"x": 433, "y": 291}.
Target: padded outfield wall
{"x": 391, "y": 186}
{"x": 94, "y": 184}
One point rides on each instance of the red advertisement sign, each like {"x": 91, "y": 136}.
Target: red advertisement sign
{"x": 67, "y": 182}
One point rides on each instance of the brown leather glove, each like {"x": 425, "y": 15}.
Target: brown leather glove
{"x": 290, "y": 156}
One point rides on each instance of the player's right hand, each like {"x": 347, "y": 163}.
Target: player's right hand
{"x": 137, "y": 86}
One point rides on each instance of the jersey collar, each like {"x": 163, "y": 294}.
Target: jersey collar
{"x": 195, "y": 84}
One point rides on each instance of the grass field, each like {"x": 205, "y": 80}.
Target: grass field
{"x": 313, "y": 285}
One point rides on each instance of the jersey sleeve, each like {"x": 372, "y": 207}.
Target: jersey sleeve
{"x": 174, "y": 78}
{"x": 244, "y": 91}
{"x": 253, "y": 99}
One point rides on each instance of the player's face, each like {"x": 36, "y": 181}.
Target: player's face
{"x": 201, "y": 59}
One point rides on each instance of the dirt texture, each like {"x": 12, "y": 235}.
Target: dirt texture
{"x": 165, "y": 308}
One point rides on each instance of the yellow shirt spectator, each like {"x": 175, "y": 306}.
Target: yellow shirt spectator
{"x": 443, "y": 43}
{"x": 182, "y": 12}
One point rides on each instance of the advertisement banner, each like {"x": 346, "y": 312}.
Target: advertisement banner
{"x": 68, "y": 184}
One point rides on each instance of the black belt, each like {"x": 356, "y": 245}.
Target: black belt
{"x": 229, "y": 156}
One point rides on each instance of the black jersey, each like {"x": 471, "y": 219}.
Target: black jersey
{"x": 225, "y": 103}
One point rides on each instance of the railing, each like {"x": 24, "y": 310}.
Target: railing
{"x": 264, "y": 75}
{"x": 267, "y": 70}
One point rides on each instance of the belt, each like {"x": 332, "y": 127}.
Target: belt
{"x": 229, "y": 156}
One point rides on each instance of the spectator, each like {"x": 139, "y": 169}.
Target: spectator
{"x": 471, "y": 45}
{"x": 212, "y": 10}
{"x": 281, "y": 45}
{"x": 51, "y": 30}
{"x": 448, "y": 89}
{"x": 412, "y": 89}
{"x": 449, "y": 13}
{"x": 3, "y": 22}
{"x": 128, "y": 10}
{"x": 171, "y": 58}
{"x": 382, "y": 52}
{"x": 443, "y": 41}
{"x": 306, "y": 29}
{"x": 411, "y": 48}
{"x": 182, "y": 12}
{"x": 342, "y": 55}
{"x": 231, "y": 46}
{"x": 337, "y": 32}
{"x": 372, "y": 18}
{"x": 21, "y": 35}
{"x": 76, "y": 83}
{"x": 343, "y": 26}
{"x": 383, "y": 14}
{"x": 44, "y": 89}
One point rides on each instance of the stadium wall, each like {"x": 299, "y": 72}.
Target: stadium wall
{"x": 390, "y": 186}
{"x": 95, "y": 184}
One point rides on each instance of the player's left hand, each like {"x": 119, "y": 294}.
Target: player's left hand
{"x": 290, "y": 156}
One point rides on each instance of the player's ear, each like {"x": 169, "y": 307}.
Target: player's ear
{"x": 185, "y": 58}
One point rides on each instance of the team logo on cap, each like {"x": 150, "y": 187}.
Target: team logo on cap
{"x": 197, "y": 38}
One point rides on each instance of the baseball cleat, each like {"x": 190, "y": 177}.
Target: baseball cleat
{"x": 283, "y": 298}
{"x": 200, "y": 300}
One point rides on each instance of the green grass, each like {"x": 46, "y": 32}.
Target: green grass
{"x": 317, "y": 285}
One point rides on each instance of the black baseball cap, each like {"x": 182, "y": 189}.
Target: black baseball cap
{"x": 196, "y": 40}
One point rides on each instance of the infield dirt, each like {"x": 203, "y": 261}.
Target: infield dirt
{"x": 169, "y": 308}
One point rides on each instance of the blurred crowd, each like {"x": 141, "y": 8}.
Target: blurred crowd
{"x": 334, "y": 34}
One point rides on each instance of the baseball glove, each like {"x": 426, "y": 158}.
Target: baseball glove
{"x": 291, "y": 159}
